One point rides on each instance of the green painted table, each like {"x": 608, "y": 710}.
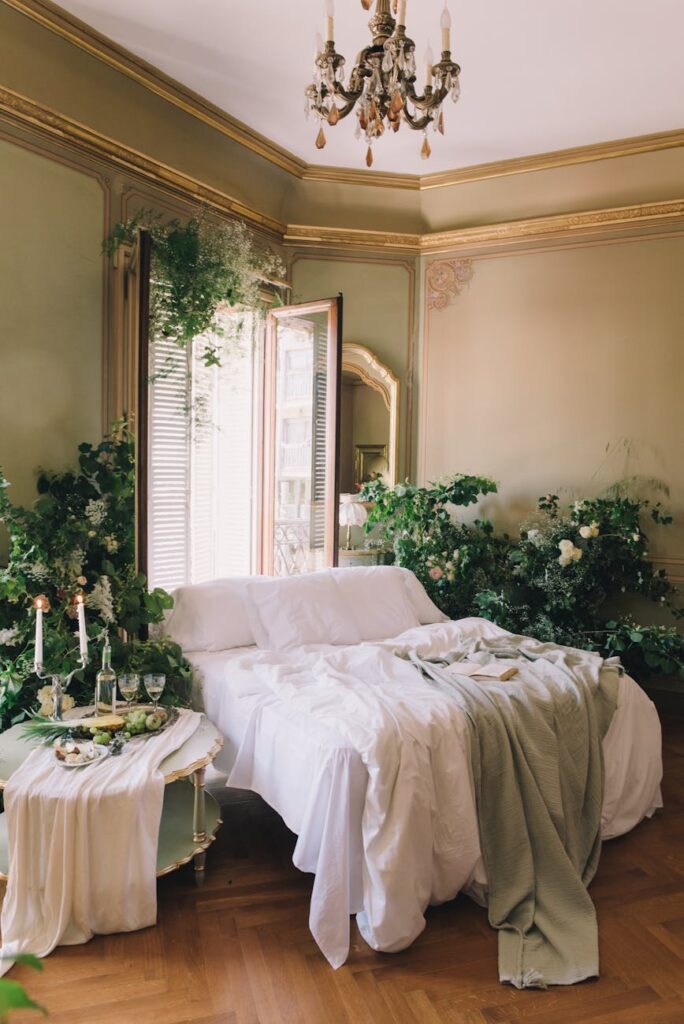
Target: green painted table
{"x": 190, "y": 817}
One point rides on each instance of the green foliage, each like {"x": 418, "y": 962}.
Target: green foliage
{"x": 79, "y": 535}
{"x": 13, "y": 996}
{"x": 559, "y": 580}
{"x": 196, "y": 267}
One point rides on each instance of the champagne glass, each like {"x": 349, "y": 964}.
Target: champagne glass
{"x": 129, "y": 685}
{"x": 154, "y": 684}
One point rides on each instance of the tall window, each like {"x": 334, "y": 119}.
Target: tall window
{"x": 241, "y": 457}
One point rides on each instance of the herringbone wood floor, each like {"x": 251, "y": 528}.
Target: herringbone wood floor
{"x": 239, "y": 951}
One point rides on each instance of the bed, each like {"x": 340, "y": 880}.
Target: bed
{"x": 310, "y": 750}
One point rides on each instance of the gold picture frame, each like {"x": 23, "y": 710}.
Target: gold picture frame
{"x": 370, "y": 460}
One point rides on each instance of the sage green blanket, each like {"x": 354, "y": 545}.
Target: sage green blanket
{"x": 538, "y": 771}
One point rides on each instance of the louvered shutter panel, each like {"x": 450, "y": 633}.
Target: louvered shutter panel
{"x": 168, "y": 465}
{"x": 237, "y": 406}
{"x": 203, "y": 476}
{"x": 319, "y": 443}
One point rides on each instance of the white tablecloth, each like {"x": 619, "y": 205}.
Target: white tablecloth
{"x": 83, "y": 844}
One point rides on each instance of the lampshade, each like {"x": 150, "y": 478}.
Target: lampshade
{"x": 352, "y": 512}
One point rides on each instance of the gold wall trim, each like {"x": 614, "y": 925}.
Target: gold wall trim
{"x": 25, "y": 113}
{"x": 585, "y": 223}
{"x": 74, "y": 30}
{"x": 77, "y": 32}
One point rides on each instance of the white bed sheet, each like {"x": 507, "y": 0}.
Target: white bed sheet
{"x": 317, "y": 782}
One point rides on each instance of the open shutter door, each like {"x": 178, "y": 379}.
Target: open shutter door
{"x": 301, "y": 461}
{"x": 168, "y": 465}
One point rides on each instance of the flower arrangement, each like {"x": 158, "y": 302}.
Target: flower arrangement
{"x": 563, "y": 579}
{"x": 79, "y": 537}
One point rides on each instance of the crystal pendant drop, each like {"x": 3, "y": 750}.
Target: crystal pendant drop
{"x": 397, "y": 102}
{"x": 369, "y": 157}
{"x": 440, "y": 123}
{"x": 333, "y": 114}
{"x": 425, "y": 149}
{"x": 320, "y": 139}
{"x": 396, "y": 124}
{"x": 387, "y": 62}
{"x": 455, "y": 90}
{"x": 357, "y": 131}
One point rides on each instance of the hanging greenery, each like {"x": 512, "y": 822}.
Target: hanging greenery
{"x": 563, "y": 579}
{"x": 79, "y": 535}
{"x": 197, "y": 266}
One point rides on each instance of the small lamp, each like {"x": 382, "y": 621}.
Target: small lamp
{"x": 352, "y": 513}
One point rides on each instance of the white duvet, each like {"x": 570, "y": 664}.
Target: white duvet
{"x": 418, "y": 837}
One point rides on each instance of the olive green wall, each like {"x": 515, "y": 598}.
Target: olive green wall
{"x": 51, "y": 310}
{"x": 562, "y": 371}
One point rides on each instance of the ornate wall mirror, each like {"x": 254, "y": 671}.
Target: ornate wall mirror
{"x": 369, "y": 419}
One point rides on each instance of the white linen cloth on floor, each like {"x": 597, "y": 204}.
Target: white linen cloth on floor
{"x": 371, "y": 768}
{"x": 83, "y": 844}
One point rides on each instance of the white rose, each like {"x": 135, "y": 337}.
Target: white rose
{"x": 532, "y": 534}
{"x": 566, "y": 546}
{"x": 636, "y": 537}
{"x": 576, "y": 554}
{"x": 585, "y": 532}
{"x": 565, "y": 560}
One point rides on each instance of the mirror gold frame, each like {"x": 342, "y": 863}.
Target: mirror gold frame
{"x": 361, "y": 361}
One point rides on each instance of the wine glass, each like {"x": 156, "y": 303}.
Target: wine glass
{"x": 154, "y": 684}
{"x": 129, "y": 685}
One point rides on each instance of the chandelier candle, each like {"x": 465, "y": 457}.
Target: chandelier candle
{"x": 381, "y": 87}
{"x": 79, "y": 601}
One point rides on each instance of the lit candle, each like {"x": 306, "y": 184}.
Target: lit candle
{"x": 401, "y": 16}
{"x": 429, "y": 61}
{"x": 82, "y": 635}
{"x": 329, "y": 20}
{"x": 445, "y": 24}
{"x": 39, "y": 604}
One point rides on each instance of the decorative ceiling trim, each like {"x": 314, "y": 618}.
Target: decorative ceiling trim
{"x": 24, "y": 113}
{"x": 547, "y": 228}
{"x": 21, "y": 112}
{"x": 55, "y": 19}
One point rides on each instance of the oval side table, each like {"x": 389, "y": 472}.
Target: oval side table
{"x": 190, "y": 817}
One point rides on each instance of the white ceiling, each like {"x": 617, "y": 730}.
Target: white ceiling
{"x": 537, "y": 75}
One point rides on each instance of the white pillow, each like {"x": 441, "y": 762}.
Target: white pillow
{"x": 424, "y": 607}
{"x": 211, "y": 616}
{"x": 295, "y": 610}
{"x": 379, "y": 600}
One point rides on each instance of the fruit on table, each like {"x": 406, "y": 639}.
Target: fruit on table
{"x": 153, "y": 722}
{"x": 102, "y": 738}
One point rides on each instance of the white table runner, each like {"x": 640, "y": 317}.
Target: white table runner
{"x": 83, "y": 845}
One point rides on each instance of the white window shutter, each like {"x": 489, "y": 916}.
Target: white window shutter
{"x": 168, "y": 465}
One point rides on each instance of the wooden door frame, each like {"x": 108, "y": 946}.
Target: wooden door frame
{"x": 267, "y": 475}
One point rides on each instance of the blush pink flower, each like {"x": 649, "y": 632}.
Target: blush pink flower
{"x": 436, "y": 573}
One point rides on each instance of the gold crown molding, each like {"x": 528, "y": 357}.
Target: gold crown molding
{"x": 77, "y": 32}
{"x": 22, "y": 112}
{"x": 589, "y": 222}
{"x": 308, "y": 236}
{"x": 63, "y": 24}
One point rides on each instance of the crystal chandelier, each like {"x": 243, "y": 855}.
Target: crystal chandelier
{"x": 382, "y": 84}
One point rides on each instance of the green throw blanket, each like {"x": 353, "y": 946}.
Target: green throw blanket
{"x": 538, "y": 771}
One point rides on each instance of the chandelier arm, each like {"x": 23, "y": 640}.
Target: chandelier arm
{"x": 419, "y": 123}
{"x": 429, "y": 100}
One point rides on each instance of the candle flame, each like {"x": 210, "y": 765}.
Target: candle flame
{"x": 79, "y": 598}
{"x": 41, "y": 603}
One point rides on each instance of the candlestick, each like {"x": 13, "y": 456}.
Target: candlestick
{"x": 82, "y": 635}
{"x": 329, "y": 20}
{"x": 445, "y": 23}
{"x": 40, "y": 604}
{"x": 401, "y": 16}
{"x": 429, "y": 61}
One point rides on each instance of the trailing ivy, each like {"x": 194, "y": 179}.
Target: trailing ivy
{"x": 560, "y": 580}
{"x": 196, "y": 267}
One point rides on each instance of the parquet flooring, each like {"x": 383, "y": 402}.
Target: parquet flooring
{"x": 239, "y": 951}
